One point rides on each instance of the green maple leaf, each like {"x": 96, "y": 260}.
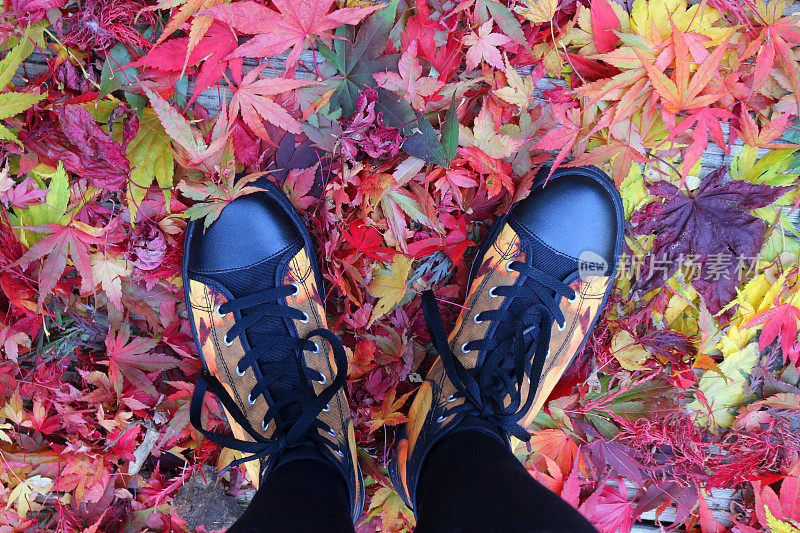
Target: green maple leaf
{"x": 357, "y": 59}
{"x": 150, "y": 154}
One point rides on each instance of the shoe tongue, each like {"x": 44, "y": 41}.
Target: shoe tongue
{"x": 546, "y": 260}
{"x": 255, "y": 279}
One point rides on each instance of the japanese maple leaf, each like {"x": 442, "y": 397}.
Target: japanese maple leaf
{"x": 712, "y": 221}
{"x": 188, "y": 9}
{"x": 703, "y": 122}
{"x": 779, "y": 320}
{"x": 749, "y": 132}
{"x": 776, "y": 41}
{"x": 297, "y": 187}
{"x": 213, "y": 196}
{"x": 609, "y": 510}
{"x": 604, "y": 22}
{"x": 19, "y": 196}
{"x": 131, "y": 358}
{"x": 783, "y": 506}
{"x": 109, "y": 273}
{"x": 84, "y": 147}
{"x": 453, "y": 244}
{"x": 388, "y": 414}
{"x": 483, "y": 46}
{"x": 211, "y": 49}
{"x": 252, "y": 100}
{"x": 684, "y": 91}
{"x": 295, "y": 25}
{"x": 63, "y": 242}
{"x": 409, "y": 82}
{"x": 451, "y": 181}
{"x": 563, "y": 137}
{"x": 422, "y": 28}
{"x": 485, "y": 136}
{"x": 368, "y": 241}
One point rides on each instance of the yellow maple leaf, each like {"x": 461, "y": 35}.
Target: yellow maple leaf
{"x": 628, "y": 352}
{"x": 538, "y": 11}
{"x": 725, "y": 392}
{"x": 150, "y": 154}
{"x": 779, "y": 526}
{"x": 486, "y": 136}
{"x": 108, "y": 272}
{"x": 389, "y": 287}
{"x": 519, "y": 90}
{"x": 25, "y": 493}
{"x": 652, "y": 20}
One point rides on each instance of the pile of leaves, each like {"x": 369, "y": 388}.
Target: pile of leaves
{"x": 400, "y": 130}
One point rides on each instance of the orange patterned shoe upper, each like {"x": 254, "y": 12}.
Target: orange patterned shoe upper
{"x": 259, "y": 323}
{"x": 537, "y": 285}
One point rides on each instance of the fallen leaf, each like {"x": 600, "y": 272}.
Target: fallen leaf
{"x": 390, "y": 287}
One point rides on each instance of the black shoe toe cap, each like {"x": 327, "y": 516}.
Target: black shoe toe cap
{"x": 249, "y": 230}
{"x": 574, "y": 212}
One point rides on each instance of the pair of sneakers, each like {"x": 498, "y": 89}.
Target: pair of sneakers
{"x": 253, "y": 290}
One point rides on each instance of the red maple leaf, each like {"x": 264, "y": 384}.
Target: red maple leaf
{"x": 368, "y": 241}
{"x": 252, "y": 100}
{"x": 61, "y": 243}
{"x": 703, "y": 122}
{"x": 388, "y": 414}
{"x": 216, "y": 44}
{"x": 749, "y": 132}
{"x": 604, "y": 22}
{"x": 131, "y": 358}
{"x": 779, "y": 320}
{"x": 295, "y": 25}
{"x": 564, "y": 136}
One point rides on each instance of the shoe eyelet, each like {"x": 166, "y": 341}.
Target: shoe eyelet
{"x": 239, "y": 373}
{"x": 339, "y": 454}
{"x": 562, "y": 327}
{"x": 305, "y": 318}
{"x": 264, "y": 425}
{"x": 441, "y": 419}
{"x": 324, "y": 379}
{"x": 508, "y": 265}
{"x": 316, "y": 348}
{"x": 332, "y": 432}
{"x": 250, "y": 399}
{"x": 296, "y": 288}
{"x": 226, "y": 341}
{"x": 451, "y": 398}
{"x": 574, "y": 299}
{"x": 326, "y": 408}
{"x": 464, "y": 348}
{"x": 492, "y": 293}
{"x": 548, "y": 354}
{"x": 217, "y": 312}
{"x": 475, "y": 318}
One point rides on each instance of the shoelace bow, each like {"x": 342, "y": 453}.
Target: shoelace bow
{"x": 287, "y": 434}
{"x": 508, "y": 360}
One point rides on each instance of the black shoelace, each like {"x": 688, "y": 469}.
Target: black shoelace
{"x": 509, "y": 358}
{"x": 296, "y": 417}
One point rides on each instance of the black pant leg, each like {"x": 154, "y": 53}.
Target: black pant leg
{"x": 301, "y": 496}
{"x": 470, "y": 482}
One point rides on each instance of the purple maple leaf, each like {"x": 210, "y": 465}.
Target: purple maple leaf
{"x": 365, "y": 130}
{"x": 712, "y": 222}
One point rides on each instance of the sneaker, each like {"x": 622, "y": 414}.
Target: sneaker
{"x": 536, "y": 288}
{"x": 259, "y": 324}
